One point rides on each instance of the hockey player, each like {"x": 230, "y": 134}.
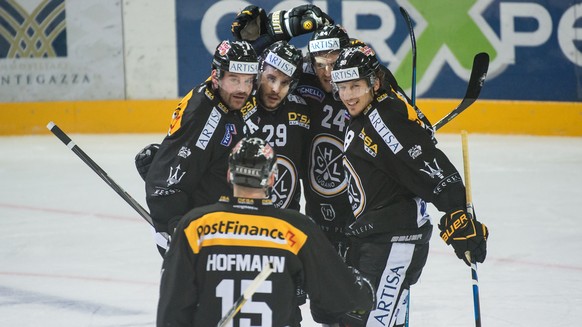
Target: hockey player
{"x": 188, "y": 169}
{"x": 218, "y": 249}
{"x": 283, "y": 119}
{"x": 393, "y": 167}
{"x": 324, "y": 183}
{"x": 325, "y": 186}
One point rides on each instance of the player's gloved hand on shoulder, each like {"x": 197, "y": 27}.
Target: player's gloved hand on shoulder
{"x": 465, "y": 235}
{"x": 249, "y": 24}
{"x": 283, "y": 24}
{"x": 144, "y": 159}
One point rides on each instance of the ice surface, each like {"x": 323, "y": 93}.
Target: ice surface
{"x": 73, "y": 253}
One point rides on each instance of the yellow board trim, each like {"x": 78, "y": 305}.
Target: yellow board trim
{"x": 91, "y": 117}
{"x": 154, "y": 116}
{"x": 509, "y": 117}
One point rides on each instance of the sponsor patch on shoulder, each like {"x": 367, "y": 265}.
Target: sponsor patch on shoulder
{"x": 384, "y": 132}
{"x": 209, "y": 128}
{"x": 230, "y": 130}
{"x": 311, "y": 92}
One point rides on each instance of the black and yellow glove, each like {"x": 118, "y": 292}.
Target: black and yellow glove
{"x": 249, "y": 24}
{"x": 465, "y": 234}
{"x": 283, "y": 24}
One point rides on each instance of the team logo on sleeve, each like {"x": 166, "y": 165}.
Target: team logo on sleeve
{"x": 415, "y": 151}
{"x": 326, "y": 174}
{"x": 184, "y": 152}
{"x": 356, "y": 193}
{"x": 175, "y": 176}
{"x": 433, "y": 172}
{"x": 284, "y": 188}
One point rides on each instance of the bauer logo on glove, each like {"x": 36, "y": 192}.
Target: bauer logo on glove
{"x": 460, "y": 222}
{"x": 464, "y": 234}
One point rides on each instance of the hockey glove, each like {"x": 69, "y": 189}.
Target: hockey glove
{"x": 358, "y": 317}
{"x": 364, "y": 283}
{"x": 144, "y": 159}
{"x": 465, "y": 235}
{"x": 249, "y": 24}
{"x": 283, "y": 25}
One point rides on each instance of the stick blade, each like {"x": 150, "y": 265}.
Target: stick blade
{"x": 476, "y": 81}
{"x": 478, "y": 75}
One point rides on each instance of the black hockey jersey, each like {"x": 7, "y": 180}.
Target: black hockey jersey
{"x": 218, "y": 250}
{"x": 325, "y": 183}
{"x": 393, "y": 167}
{"x": 286, "y": 130}
{"x": 189, "y": 169}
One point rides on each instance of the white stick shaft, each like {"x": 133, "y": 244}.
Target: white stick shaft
{"x": 247, "y": 294}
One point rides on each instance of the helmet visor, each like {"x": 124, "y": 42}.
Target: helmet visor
{"x": 352, "y": 89}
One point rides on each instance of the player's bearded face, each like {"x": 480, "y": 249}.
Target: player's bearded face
{"x": 356, "y": 95}
{"x": 274, "y": 87}
{"x": 234, "y": 89}
{"x": 323, "y": 65}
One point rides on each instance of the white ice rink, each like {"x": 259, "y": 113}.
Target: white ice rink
{"x": 73, "y": 253}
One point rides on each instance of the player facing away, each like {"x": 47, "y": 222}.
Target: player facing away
{"x": 217, "y": 250}
{"x": 394, "y": 169}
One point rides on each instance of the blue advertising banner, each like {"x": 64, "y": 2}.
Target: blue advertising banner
{"x": 535, "y": 45}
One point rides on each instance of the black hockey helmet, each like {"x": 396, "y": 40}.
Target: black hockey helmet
{"x": 286, "y": 58}
{"x": 251, "y": 162}
{"x": 235, "y": 57}
{"x": 328, "y": 38}
{"x": 355, "y": 63}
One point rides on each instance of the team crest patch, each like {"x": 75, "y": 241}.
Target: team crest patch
{"x": 184, "y": 152}
{"x": 326, "y": 174}
{"x": 356, "y": 193}
{"x": 286, "y": 183}
{"x": 415, "y": 151}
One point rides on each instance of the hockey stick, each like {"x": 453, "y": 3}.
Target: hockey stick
{"x": 87, "y": 160}
{"x": 247, "y": 294}
{"x": 471, "y": 213}
{"x": 419, "y": 113}
{"x": 478, "y": 74}
{"x": 413, "y": 45}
